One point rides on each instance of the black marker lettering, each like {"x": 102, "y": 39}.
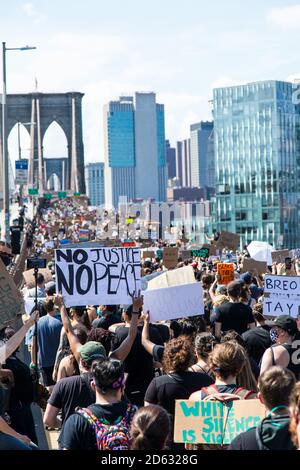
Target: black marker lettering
{"x": 62, "y": 282}
{"x": 79, "y": 273}
{"x": 80, "y": 256}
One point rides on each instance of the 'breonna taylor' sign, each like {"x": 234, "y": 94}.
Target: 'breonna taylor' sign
{"x": 108, "y": 276}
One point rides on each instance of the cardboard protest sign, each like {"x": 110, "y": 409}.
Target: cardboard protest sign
{"x": 170, "y": 257}
{"x": 148, "y": 254}
{"x": 215, "y": 422}
{"x": 11, "y": 301}
{"x": 213, "y": 249}
{"x": 279, "y": 256}
{"x": 185, "y": 254}
{"x": 228, "y": 240}
{"x": 174, "y": 302}
{"x": 90, "y": 276}
{"x": 200, "y": 252}
{"x": 175, "y": 277}
{"x": 30, "y": 280}
{"x": 226, "y": 271}
{"x": 250, "y": 265}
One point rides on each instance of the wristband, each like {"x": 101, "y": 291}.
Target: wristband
{"x": 33, "y": 366}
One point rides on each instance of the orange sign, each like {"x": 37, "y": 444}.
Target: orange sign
{"x": 226, "y": 271}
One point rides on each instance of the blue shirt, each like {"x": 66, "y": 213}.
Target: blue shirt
{"x": 49, "y": 329}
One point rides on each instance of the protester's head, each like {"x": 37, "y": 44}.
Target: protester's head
{"x": 227, "y": 360}
{"x": 49, "y": 305}
{"x": 188, "y": 328}
{"x": 245, "y": 293}
{"x": 220, "y": 300}
{"x": 258, "y": 314}
{"x": 50, "y": 288}
{"x": 255, "y": 291}
{"x": 108, "y": 377}
{"x": 207, "y": 281}
{"x": 150, "y": 428}
{"x": 284, "y": 329}
{"x": 127, "y": 313}
{"x": 275, "y": 387}
{"x": 81, "y": 334}
{"x": 204, "y": 344}
{"x": 232, "y": 335}
{"x": 246, "y": 278}
{"x": 80, "y": 315}
{"x": 178, "y": 355}
{"x": 90, "y": 352}
{"x": 221, "y": 290}
{"x": 234, "y": 290}
{"x": 40, "y": 280}
{"x": 295, "y": 415}
{"x": 175, "y": 329}
{"x": 100, "y": 335}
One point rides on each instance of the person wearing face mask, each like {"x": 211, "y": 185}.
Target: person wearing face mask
{"x": 285, "y": 350}
{"x": 107, "y": 316}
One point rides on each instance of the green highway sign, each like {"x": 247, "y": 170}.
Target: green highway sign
{"x": 47, "y": 196}
{"x": 76, "y": 194}
{"x": 33, "y": 192}
{"x": 62, "y": 194}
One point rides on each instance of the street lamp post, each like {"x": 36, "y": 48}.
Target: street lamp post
{"x": 4, "y": 138}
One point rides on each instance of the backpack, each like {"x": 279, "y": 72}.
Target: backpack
{"x": 212, "y": 393}
{"x": 109, "y": 436}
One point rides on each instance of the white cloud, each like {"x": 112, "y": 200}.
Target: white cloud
{"x": 30, "y": 11}
{"x": 286, "y": 17}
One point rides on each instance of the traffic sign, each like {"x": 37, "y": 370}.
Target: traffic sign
{"x": 21, "y": 167}
{"x": 76, "y": 194}
{"x": 62, "y": 194}
{"x": 47, "y": 196}
{"x": 33, "y": 192}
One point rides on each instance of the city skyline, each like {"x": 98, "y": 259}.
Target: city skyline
{"x": 109, "y": 53}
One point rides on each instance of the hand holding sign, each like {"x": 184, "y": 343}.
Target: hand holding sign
{"x": 137, "y": 302}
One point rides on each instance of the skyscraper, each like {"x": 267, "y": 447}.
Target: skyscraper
{"x": 135, "y": 151}
{"x": 171, "y": 160}
{"x": 94, "y": 180}
{"x": 257, "y": 153}
{"x": 183, "y": 162}
{"x": 200, "y": 134}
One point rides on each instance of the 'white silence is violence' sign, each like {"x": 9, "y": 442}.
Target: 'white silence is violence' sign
{"x": 108, "y": 276}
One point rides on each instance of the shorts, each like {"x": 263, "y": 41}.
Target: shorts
{"x": 47, "y": 376}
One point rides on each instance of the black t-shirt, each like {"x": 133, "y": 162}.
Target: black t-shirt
{"x": 78, "y": 434}
{"x": 234, "y": 316}
{"x": 257, "y": 341}
{"x": 245, "y": 441}
{"x": 71, "y": 392}
{"x": 166, "y": 389}
{"x": 163, "y": 331}
{"x": 107, "y": 320}
{"x": 139, "y": 363}
{"x": 23, "y": 385}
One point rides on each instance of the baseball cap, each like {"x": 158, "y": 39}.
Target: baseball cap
{"x": 246, "y": 277}
{"x": 91, "y": 351}
{"x": 287, "y": 323}
{"x": 195, "y": 264}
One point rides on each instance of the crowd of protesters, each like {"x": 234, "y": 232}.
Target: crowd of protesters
{"x": 112, "y": 378}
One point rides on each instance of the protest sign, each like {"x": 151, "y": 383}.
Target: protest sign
{"x": 295, "y": 253}
{"x": 30, "y": 280}
{"x": 179, "y": 301}
{"x": 170, "y": 257}
{"x": 274, "y": 306}
{"x": 228, "y": 240}
{"x": 226, "y": 271}
{"x": 145, "y": 279}
{"x": 11, "y": 301}
{"x": 148, "y": 254}
{"x": 89, "y": 275}
{"x": 284, "y": 286}
{"x": 215, "y": 422}
{"x": 129, "y": 244}
{"x": 175, "y": 277}
{"x": 200, "y": 252}
{"x": 250, "y": 265}
{"x": 29, "y": 303}
{"x": 84, "y": 235}
{"x": 49, "y": 244}
{"x": 279, "y": 256}
{"x": 185, "y": 254}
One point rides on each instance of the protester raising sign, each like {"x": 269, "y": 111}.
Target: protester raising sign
{"x": 108, "y": 276}
{"x": 215, "y": 422}
{"x": 280, "y": 256}
{"x": 228, "y": 240}
{"x": 226, "y": 273}
{"x": 174, "y": 302}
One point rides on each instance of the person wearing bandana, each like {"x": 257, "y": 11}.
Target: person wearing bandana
{"x": 285, "y": 350}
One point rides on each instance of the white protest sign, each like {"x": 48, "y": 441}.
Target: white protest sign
{"x": 275, "y": 306}
{"x": 174, "y": 302}
{"x": 287, "y": 286}
{"x": 95, "y": 276}
{"x": 173, "y": 278}
{"x": 29, "y": 303}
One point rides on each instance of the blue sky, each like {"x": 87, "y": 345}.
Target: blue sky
{"x": 179, "y": 49}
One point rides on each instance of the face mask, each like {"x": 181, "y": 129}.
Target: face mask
{"x": 99, "y": 312}
{"x": 274, "y": 335}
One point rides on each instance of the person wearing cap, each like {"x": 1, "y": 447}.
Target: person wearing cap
{"x": 285, "y": 351}
{"x": 74, "y": 391}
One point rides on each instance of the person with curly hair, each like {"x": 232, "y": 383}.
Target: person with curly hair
{"x": 177, "y": 382}
{"x": 150, "y": 428}
{"x": 204, "y": 344}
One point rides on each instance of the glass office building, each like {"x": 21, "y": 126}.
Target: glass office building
{"x": 257, "y": 158}
{"x": 135, "y": 150}
{"x": 94, "y": 181}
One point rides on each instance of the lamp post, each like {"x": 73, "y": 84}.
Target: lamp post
{"x": 4, "y": 138}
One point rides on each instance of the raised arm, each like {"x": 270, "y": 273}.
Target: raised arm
{"x": 14, "y": 342}
{"x": 148, "y": 345}
{"x": 124, "y": 349}
{"x": 72, "y": 338}
{"x": 212, "y": 288}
